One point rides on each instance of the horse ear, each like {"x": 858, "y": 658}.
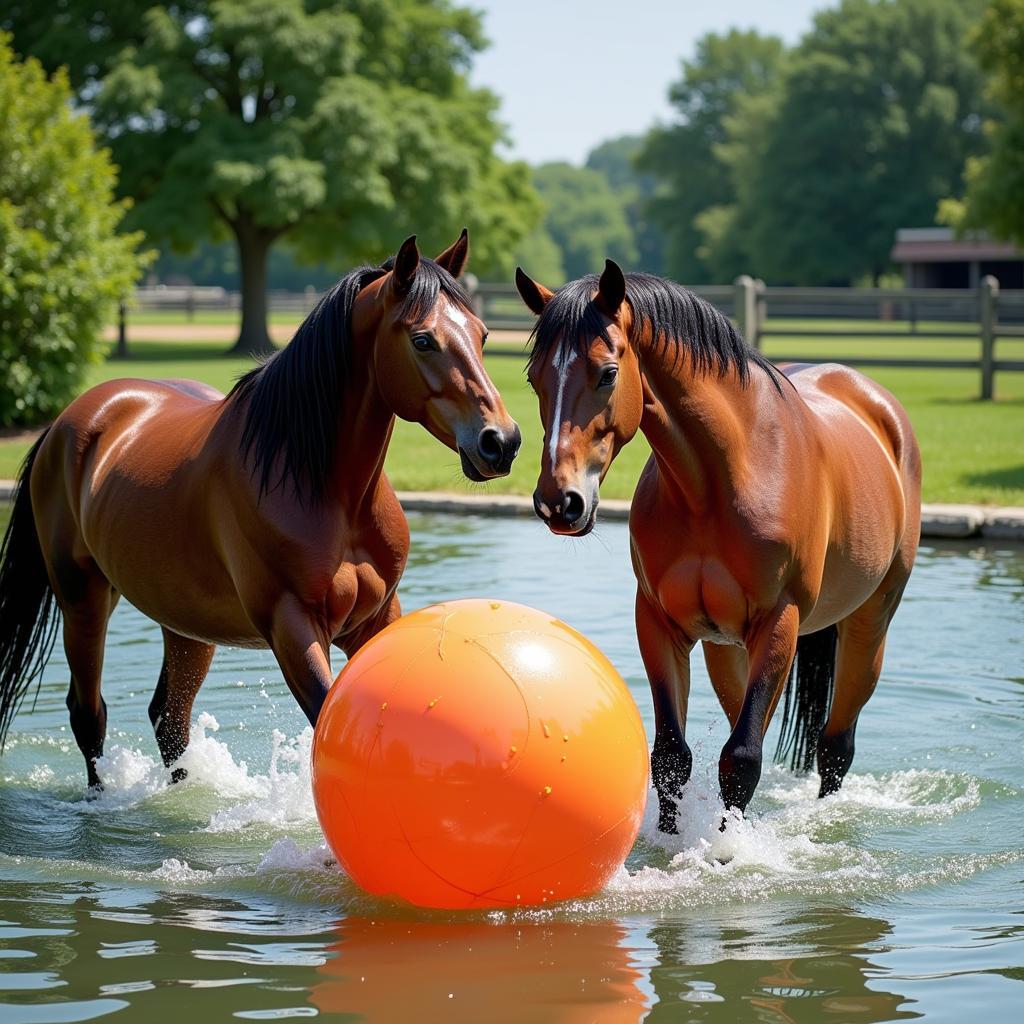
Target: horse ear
{"x": 535, "y": 295}
{"x": 454, "y": 258}
{"x": 406, "y": 263}
{"x": 611, "y": 289}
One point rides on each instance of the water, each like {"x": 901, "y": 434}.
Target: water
{"x": 899, "y": 898}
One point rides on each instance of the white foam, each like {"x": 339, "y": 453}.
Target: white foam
{"x": 280, "y": 798}
{"x": 179, "y": 872}
{"x": 283, "y": 797}
{"x": 793, "y": 844}
{"x": 287, "y": 855}
{"x": 790, "y": 841}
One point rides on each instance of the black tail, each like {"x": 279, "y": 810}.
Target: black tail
{"x": 808, "y": 698}
{"x": 28, "y": 612}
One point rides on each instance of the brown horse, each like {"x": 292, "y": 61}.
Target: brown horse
{"x": 260, "y": 519}
{"x": 779, "y": 512}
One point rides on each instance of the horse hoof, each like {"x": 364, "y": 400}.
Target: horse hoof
{"x": 95, "y": 791}
{"x": 179, "y": 775}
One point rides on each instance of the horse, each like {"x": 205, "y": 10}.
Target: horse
{"x": 258, "y": 519}
{"x": 776, "y": 520}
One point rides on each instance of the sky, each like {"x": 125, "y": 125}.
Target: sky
{"x": 572, "y": 73}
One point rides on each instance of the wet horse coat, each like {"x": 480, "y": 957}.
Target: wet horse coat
{"x": 779, "y": 512}
{"x": 260, "y": 519}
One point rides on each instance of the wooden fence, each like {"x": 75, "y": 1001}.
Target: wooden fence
{"x": 925, "y": 315}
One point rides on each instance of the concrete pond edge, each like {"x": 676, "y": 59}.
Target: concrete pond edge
{"x": 991, "y": 522}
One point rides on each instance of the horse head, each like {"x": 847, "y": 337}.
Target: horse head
{"x": 428, "y": 355}
{"x": 587, "y": 379}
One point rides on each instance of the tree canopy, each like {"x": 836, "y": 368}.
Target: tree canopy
{"x": 995, "y": 182}
{"x": 684, "y": 157}
{"x": 584, "y": 218}
{"x": 800, "y": 165}
{"x": 338, "y": 127}
{"x": 617, "y": 160}
{"x": 879, "y": 108}
{"x": 63, "y": 267}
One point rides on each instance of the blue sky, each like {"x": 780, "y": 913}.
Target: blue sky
{"x": 571, "y": 73}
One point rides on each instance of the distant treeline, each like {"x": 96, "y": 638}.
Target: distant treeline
{"x": 797, "y": 164}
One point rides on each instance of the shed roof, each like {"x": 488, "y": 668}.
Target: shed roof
{"x": 941, "y": 245}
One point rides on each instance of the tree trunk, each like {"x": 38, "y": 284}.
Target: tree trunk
{"x": 253, "y": 249}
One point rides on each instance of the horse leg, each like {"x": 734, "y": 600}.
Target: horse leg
{"x": 668, "y": 670}
{"x": 858, "y": 666}
{"x": 771, "y": 646}
{"x": 185, "y": 665}
{"x": 302, "y": 649}
{"x": 728, "y": 669}
{"x": 85, "y": 632}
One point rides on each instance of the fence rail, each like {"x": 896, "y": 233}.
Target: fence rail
{"x": 982, "y": 314}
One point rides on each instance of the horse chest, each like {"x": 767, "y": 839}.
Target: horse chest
{"x": 358, "y": 591}
{"x": 696, "y": 592}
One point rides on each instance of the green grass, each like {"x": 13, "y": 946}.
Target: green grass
{"x": 973, "y": 451}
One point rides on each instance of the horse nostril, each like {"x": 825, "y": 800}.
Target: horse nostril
{"x": 573, "y": 507}
{"x": 543, "y": 512}
{"x": 491, "y": 446}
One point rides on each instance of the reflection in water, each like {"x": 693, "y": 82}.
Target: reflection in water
{"x": 470, "y": 972}
{"x": 754, "y": 966}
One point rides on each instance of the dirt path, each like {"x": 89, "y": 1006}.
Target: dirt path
{"x": 193, "y": 332}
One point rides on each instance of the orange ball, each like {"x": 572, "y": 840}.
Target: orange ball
{"x": 480, "y": 754}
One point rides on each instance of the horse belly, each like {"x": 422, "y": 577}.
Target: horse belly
{"x": 158, "y": 551}
{"x": 866, "y": 537}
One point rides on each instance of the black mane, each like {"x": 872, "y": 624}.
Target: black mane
{"x": 294, "y": 399}
{"x": 678, "y": 320}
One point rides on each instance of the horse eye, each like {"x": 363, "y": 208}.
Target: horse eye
{"x": 423, "y": 343}
{"x": 608, "y": 377}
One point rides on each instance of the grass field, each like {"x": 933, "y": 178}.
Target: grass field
{"x": 973, "y": 451}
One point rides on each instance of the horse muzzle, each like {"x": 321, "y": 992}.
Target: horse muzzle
{"x": 492, "y": 454}
{"x": 571, "y": 514}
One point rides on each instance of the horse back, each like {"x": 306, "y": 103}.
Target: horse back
{"x": 826, "y": 386}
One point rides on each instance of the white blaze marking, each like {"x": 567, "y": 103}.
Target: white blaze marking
{"x": 457, "y": 316}
{"x": 563, "y": 360}
{"x": 460, "y": 329}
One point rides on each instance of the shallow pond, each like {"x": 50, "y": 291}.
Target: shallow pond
{"x": 898, "y": 898}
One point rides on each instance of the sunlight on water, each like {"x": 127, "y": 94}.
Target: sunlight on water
{"x": 894, "y": 896}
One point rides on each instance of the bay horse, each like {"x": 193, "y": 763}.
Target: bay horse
{"x": 259, "y": 519}
{"x": 776, "y": 520}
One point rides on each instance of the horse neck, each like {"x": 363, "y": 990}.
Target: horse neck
{"x": 698, "y": 425}
{"x": 365, "y": 422}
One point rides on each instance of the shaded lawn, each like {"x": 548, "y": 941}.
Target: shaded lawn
{"x": 973, "y": 451}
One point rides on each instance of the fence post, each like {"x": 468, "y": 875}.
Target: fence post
{"x": 745, "y": 306}
{"x": 121, "y": 352}
{"x": 761, "y": 311}
{"x": 988, "y": 297}
{"x": 190, "y": 303}
{"x": 472, "y": 285}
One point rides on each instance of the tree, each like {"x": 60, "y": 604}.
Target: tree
{"x": 539, "y": 251}
{"x": 879, "y": 108}
{"x": 683, "y": 157}
{"x": 584, "y": 218}
{"x": 995, "y": 182}
{"x": 616, "y": 161}
{"x": 338, "y": 127}
{"x": 63, "y": 267}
